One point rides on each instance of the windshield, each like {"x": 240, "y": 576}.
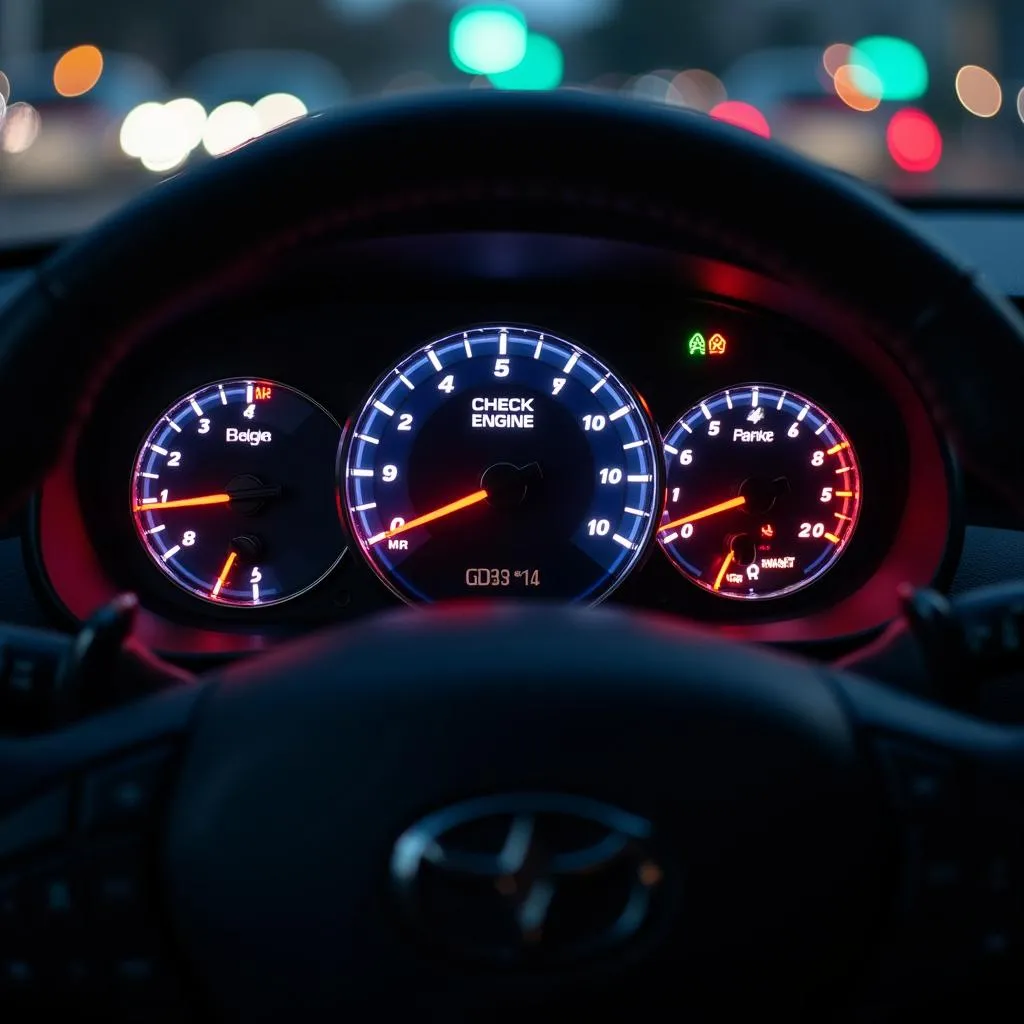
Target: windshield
{"x": 104, "y": 98}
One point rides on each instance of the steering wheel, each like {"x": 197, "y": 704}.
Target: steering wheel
{"x": 507, "y": 809}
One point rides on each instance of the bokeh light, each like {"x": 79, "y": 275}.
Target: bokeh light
{"x": 699, "y": 89}
{"x": 850, "y": 83}
{"x": 979, "y": 91}
{"x": 657, "y": 87}
{"x": 488, "y": 39}
{"x": 836, "y": 56}
{"x": 277, "y": 109}
{"x": 5, "y": 87}
{"x": 742, "y": 115}
{"x": 20, "y": 128}
{"x": 230, "y": 125}
{"x": 138, "y": 128}
{"x": 1020, "y": 104}
{"x": 914, "y": 141}
{"x": 161, "y": 135}
{"x": 78, "y": 70}
{"x": 542, "y": 66}
{"x": 897, "y": 63}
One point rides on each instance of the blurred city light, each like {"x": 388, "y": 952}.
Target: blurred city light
{"x": 278, "y": 109}
{"x": 914, "y": 141}
{"x": 541, "y": 67}
{"x": 699, "y": 89}
{"x": 20, "y": 128}
{"x": 229, "y": 126}
{"x": 836, "y": 56}
{"x": 186, "y": 118}
{"x": 77, "y": 71}
{"x": 897, "y": 63}
{"x": 979, "y": 91}
{"x": 488, "y": 39}
{"x": 657, "y": 87}
{"x": 139, "y": 128}
{"x": 857, "y": 87}
{"x": 1020, "y": 104}
{"x": 161, "y": 135}
{"x": 742, "y": 115}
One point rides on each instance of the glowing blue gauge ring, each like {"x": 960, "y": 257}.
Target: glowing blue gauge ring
{"x": 763, "y": 492}
{"x": 233, "y": 493}
{"x": 502, "y": 462}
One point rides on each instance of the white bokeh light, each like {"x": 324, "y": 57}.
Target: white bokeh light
{"x": 229, "y": 126}
{"x": 139, "y": 128}
{"x": 20, "y": 129}
{"x": 277, "y": 109}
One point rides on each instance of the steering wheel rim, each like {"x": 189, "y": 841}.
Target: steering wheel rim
{"x": 64, "y": 326}
{"x": 688, "y": 181}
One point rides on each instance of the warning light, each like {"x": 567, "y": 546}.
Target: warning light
{"x": 767, "y": 530}
{"x": 697, "y": 346}
{"x": 716, "y": 345}
{"x": 261, "y": 393}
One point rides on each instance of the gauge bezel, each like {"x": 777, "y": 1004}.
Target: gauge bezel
{"x": 850, "y": 528}
{"x": 161, "y": 566}
{"x": 635, "y": 558}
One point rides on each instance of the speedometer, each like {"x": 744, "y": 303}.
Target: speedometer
{"x": 502, "y": 462}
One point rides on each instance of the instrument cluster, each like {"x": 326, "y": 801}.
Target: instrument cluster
{"x": 254, "y": 476}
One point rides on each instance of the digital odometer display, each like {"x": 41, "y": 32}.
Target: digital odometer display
{"x": 502, "y": 462}
{"x": 764, "y": 492}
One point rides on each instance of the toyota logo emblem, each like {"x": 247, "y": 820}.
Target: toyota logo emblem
{"x": 527, "y": 877}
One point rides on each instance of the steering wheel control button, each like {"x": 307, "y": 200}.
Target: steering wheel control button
{"x": 528, "y": 878}
{"x": 918, "y": 780}
{"x": 125, "y": 794}
{"x": 29, "y": 665}
{"x": 42, "y": 821}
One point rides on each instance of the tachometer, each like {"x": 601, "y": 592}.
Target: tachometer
{"x": 764, "y": 492}
{"x": 502, "y": 461}
{"x": 233, "y": 493}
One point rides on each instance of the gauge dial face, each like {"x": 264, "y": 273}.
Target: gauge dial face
{"x": 763, "y": 491}
{"x": 233, "y": 493}
{"x": 502, "y": 462}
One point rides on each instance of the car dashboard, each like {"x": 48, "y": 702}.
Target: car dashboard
{"x": 472, "y": 416}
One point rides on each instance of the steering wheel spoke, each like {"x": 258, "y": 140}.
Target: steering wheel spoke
{"x": 954, "y": 792}
{"x": 81, "y": 826}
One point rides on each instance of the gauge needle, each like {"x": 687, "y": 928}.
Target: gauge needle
{"x": 439, "y": 513}
{"x": 236, "y": 494}
{"x": 223, "y": 577}
{"x": 723, "y": 506}
{"x": 206, "y": 499}
{"x": 723, "y": 571}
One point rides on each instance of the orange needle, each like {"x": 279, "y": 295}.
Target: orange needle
{"x": 438, "y": 513}
{"x": 723, "y": 506}
{"x": 223, "y": 577}
{"x": 723, "y": 571}
{"x": 206, "y": 499}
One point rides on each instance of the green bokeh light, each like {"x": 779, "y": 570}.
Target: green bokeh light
{"x": 897, "y": 64}
{"x": 542, "y": 66}
{"x": 487, "y": 39}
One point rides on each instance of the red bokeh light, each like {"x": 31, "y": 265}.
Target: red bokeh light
{"x": 914, "y": 141}
{"x": 742, "y": 115}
